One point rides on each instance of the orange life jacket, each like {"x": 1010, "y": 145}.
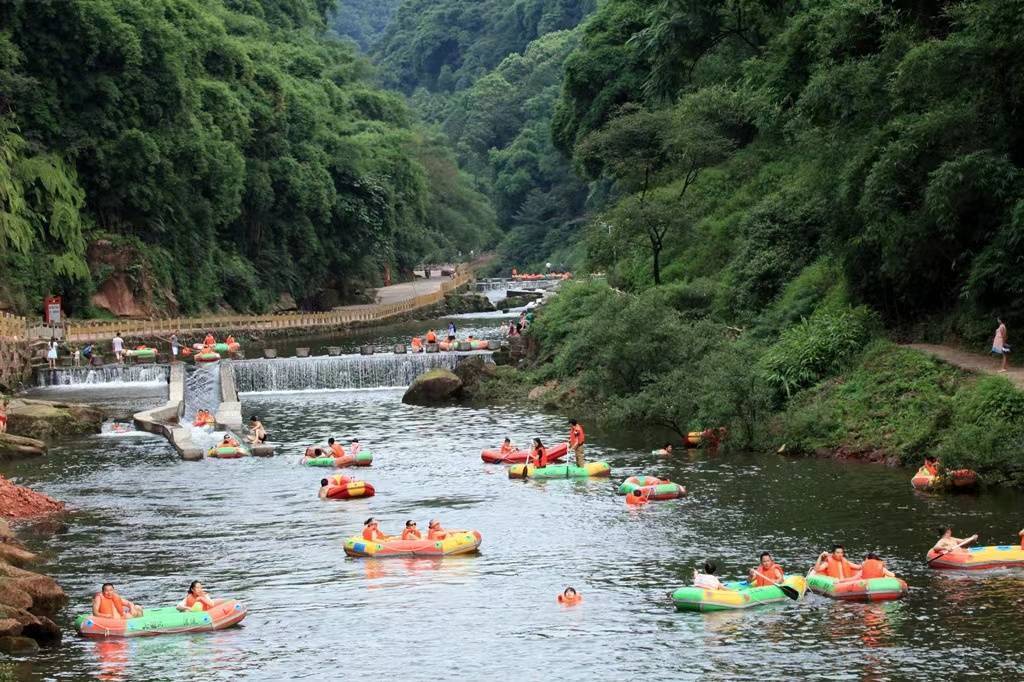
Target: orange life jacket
{"x": 338, "y": 479}
{"x": 437, "y": 534}
{"x": 411, "y": 534}
{"x": 539, "y": 457}
{"x": 576, "y": 436}
{"x": 872, "y": 568}
{"x": 772, "y": 575}
{"x": 191, "y": 600}
{"x": 371, "y": 534}
{"x": 111, "y": 605}
{"x": 840, "y": 569}
{"x": 209, "y": 340}
{"x": 338, "y": 450}
{"x": 507, "y": 448}
{"x": 636, "y": 499}
{"x": 570, "y": 599}
{"x": 431, "y": 337}
{"x": 932, "y": 469}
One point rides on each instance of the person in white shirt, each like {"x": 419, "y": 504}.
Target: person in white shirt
{"x": 51, "y": 353}
{"x": 707, "y": 580}
{"x": 118, "y": 344}
{"x": 353, "y": 447}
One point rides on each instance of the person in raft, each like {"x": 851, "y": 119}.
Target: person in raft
{"x": 931, "y": 465}
{"x": 228, "y": 442}
{"x": 196, "y": 599}
{"x": 335, "y": 447}
{"x": 999, "y": 346}
{"x": 371, "y": 530}
{"x": 836, "y": 565}
{"x": 507, "y": 448}
{"x": 538, "y": 454}
{"x": 706, "y": 578}
{"x": 314, "y": 453}
{"x": 230, "y": 340}
{"x": 637, "y": 497}
{"x": 257, "y": 434}
{"x": 435, "y": 531}
{"x": 431, "y": 336}
{"x": 874, "y": 567}
{"x": 326, "y": 483}
{"x": 947, "y": 543}
{"x": 411, "y": 532}
{"x": 109, "y": 604}
{"x": 576, "y": 439}
{"x": 209, "y": 341}
{"x": 666, "y": 449}
{"x": 767, "y": 572}
{"x": 354, "y": 447}
{"x": 570, "y": 596}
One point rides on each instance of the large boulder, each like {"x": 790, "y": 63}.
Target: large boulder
{"x": 49, "y": 421}
{"x": 433, "y": 387}
{"x": 471, "y": 370}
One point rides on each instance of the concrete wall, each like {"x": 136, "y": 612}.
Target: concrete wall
{"x": 165, "y": 420}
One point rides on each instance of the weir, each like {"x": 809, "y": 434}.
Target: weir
{"x": 107, "y": 374}
{"x": 337, "y": 372}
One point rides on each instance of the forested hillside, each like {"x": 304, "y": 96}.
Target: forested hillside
{"x": 364, "y": 21}
{"x": 489, "y": 74}
{"x": 199, "y": 154}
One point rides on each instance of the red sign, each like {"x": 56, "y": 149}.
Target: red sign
{"x": 51, "y": 310}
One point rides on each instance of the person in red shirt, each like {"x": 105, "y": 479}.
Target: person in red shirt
{"x": 371, "y": 530}
{"x": 767, "y": 572}
{"x": 932, "y": 465}
{"x": 209, "y": 341}
{"x": 873, "y": 567}
{"x": 336, "y": 449}
{"x": 539, "y": 454}
{"x": 507, "y": 448}
{"x": 836, "y": 565}
{"x": 576, "y": 440}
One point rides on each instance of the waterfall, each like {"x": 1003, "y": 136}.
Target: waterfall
{"x": 386, "y": 370}
{"x": 202, "y": 389}
{"x": 98, "y": 376}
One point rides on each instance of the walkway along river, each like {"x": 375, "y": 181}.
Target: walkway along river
{"x": 254, "y": 529}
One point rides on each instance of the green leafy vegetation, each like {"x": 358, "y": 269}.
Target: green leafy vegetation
{"x": 227, "y": 151}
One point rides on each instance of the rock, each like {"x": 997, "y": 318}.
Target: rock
{"x": 48, "y": 421}
{"x": 470, "y": 370}
{"x": 433, "y": 387}
{"x": 124, "y": 288}
{"x": 43, "y": 593}
{"x": 17, "y": 621}
{"x": 16, "y": 555}
{"x": 467, "y": 302}
{"x": 17, "y": 502}
{"x": 17, "y": 447}
{"x": 539, "y": 392}
{"x": 14, "y": 646}
{"x": 10, "y": 627}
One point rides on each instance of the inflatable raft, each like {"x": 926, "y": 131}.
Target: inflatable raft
{"x": 227, "y": 452}
{"x": 591, "y": 469}
{"x": 520, "y": 456}
{"x": 923, "y": 479}
{"x": 142, "y": 353}
{"x": 979, "y": 558}
{"x": 739, "y": 595}
{"x": 363, "y": 459}
{"x": 655, "y": 488}
{"x": 349, "y": 490}
{"x": 457, "y": 542}
{"x": 855, "y": 589}
{"x": 164, "y": 621}
{"x": 957, "y": 479}
{"x": 206, "y": 356}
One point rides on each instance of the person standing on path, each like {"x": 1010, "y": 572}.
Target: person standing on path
{"x": 175, "y": 347}
{"x": 999, "y": 346}
{"x": 118, "y": 344}
{"x": 51, "y": 353}
{"x": 576, "y": 438}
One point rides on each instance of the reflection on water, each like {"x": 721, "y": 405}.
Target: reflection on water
{"x": 254, "y": 529}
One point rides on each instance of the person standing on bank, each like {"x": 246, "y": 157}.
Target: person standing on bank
{"x": 118, "y": 344}
{"x": 576, "y": 439}
{"x": 999, "y": 346}
{"x": 175, "y": 347}
{"x": 51, "y": 353}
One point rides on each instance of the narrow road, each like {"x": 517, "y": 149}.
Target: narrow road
{"x": 397, "y": 293}
{"x": 972, "y": 362}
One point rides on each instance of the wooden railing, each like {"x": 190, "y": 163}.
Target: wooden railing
{"x": 95, "y": 330}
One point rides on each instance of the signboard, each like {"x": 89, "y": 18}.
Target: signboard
{"x": 51, "y": 310}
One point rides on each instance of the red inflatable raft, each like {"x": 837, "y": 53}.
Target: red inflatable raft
{"x": 350, "y": 490}
{"x": 555, "y": 452}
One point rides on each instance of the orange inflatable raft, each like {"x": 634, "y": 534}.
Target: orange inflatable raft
{"x": 555, "y": 452}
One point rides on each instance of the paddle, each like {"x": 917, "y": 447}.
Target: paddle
{"x": 786, "y": 589}
{"x": 942, "y": 554}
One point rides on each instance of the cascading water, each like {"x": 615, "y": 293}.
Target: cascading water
{"x": 202, "y": 389}
{"x": 340, "y": 372}
{"x": 102, "y": 376}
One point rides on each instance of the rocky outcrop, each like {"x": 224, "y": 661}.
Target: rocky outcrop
{"x": 467, "y": 302}
{"x": 17, "y": 447}
{"x": 49, "y": 421}
{"x": 124, "y": 288}
{"x": 17, "y": 502}
{"x": 28, "y": 601}
{"x": 435, "y": 387}
{"x": 471, "y": 371}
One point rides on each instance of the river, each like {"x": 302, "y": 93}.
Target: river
{"x": 254, "y": 529}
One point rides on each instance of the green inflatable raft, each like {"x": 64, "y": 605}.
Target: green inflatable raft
{"x": 560, "y": 470}
{"x": 362, "y": 459}
{"x": 738, "y": 595}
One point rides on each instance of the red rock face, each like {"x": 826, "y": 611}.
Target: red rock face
{"x": 126, "y": 290}
{"x": 115, "y": 295}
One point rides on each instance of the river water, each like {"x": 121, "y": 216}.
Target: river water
{"x": 254, "y": 529}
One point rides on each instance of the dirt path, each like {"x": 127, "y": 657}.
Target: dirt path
{"x": 397, "y": 293}
{"x": 972, "y": 362}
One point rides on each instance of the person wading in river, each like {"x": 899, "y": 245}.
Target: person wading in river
{"x": 576, "y": 439}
